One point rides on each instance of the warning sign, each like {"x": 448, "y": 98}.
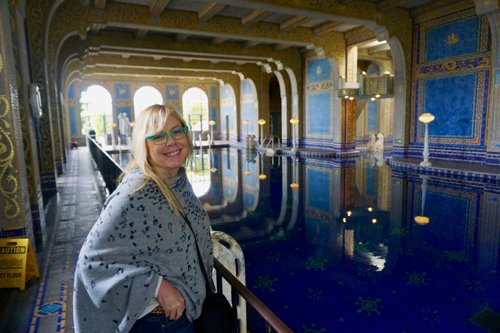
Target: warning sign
{"x": 17, "y": 263}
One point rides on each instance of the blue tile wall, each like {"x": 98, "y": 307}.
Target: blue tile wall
{"x": 71, "y": 91}
{"x": 453, "y": 39}
{"x": 373, "y": 116}
{"x": 452, "y": 101}
{"x": 318, "y": 190}
{"x": 451, "y": 81}
{"x": 449, "y": 219}
{"x": 319, "y": 117}
{"x": 228, "y": 108}
{"x": 172, "y": 92}
{"x": 122, "y": 91}
{"x": 213, "y": 93}
{"x": 72, "y": 120}
{"x": 318, "y": 70}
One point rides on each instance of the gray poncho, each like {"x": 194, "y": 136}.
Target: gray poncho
{"x": 137, "y": 239}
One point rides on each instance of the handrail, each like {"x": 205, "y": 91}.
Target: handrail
{"x": 110, "y": 170}
{"x": 271, "y": 319}
{"x": 270, "y": 140}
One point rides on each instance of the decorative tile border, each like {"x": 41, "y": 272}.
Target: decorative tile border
{"x": 485, "y": 176}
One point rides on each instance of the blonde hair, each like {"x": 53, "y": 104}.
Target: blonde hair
{"x": 149, "y": 122}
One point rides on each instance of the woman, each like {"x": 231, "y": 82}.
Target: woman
{"x": 138, "y": 270}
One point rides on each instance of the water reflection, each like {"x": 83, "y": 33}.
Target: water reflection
{"x": 335, "y": 246}
{"x": 345, "y": 240}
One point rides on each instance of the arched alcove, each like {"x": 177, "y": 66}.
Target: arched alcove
{"x": 96, "y": 111}
{"x": 144, "y": 97}
{"x": 195, "y": 111}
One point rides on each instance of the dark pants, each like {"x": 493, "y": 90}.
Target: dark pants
{"x": 158, "y": 323}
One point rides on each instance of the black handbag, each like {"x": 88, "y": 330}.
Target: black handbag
{"x": 217, "y": 315}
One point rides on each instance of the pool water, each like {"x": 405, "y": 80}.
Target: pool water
{"x": 355, "y": 246}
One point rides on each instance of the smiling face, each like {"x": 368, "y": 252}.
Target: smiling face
{"x": 169, "y": 156}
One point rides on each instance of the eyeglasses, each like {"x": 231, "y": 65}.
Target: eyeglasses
{"x": 162, "y": 138}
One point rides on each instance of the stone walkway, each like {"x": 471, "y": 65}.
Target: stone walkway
{"x": 45, "y": 305}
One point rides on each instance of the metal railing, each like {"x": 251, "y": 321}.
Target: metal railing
{"x": 269, "y": 140}
{"x": 110, "y": 170}
{"x": 272, "y": 322}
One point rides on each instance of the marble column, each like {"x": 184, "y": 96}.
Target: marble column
{"x": 15, "y": 215}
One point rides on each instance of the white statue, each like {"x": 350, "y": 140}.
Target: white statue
{"x": 379, "y": 144}
{"x": 124, "y": 127}
{"x": 371, "y": 141}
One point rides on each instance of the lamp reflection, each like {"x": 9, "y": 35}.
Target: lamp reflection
{"x": 422, "y": 219}
{"x": 295, "y": 184}
{"x": 262, "y": 175}
{"x": 213, "y": 169}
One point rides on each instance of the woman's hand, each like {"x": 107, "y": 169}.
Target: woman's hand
{"x": 170, "y": 300}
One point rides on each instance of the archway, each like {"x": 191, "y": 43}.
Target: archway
{"x": 144, "y": 97}
{"x": 96, "y": 111}
{"x": 195, "y": 111}
{"x": 274, "y": 107}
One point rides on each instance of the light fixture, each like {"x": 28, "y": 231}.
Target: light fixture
{"x": 344, "y": 220}
{"x": 213, "y": 170}
{"x": 349, "y": 213}
{"x": 294, "y": 122}
{"x": 261, "y": 123}
{"x": 374, "y": 221}
{"x": 370, "y": 209}
{"x": 294, "y": 186}
{"x": 211, "y": 123}
{"x": 246, "y": 122}
{"x": 426, "y": 118}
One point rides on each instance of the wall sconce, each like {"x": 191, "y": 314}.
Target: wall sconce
{"x": 426, "y": 118}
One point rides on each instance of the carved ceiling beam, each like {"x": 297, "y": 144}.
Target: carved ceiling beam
{"x": 181, "y": 37}
{"x": 140, "y": 34}
{"x": 96, "y": 28}
{"x": 293, "y": 23}
{"x": 251, "y": 43}
{"x": 156, "y": 7}
{"x": 388, "y": 4}
{"x": 326, "y": 27}
{"x": 210, "y": 10}
{"x": 100, "y": 4}
{"x": 255, "y": 16}
{"x": 218, "y": 40}
{"x": 433, "y": 5}
{"x": 379, "y": 48}
{"x": 281, "y": 47}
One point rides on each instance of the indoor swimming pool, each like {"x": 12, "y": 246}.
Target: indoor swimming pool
{"x": 357, "y": 246}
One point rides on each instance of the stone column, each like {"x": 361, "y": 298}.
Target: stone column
{"x": 492, "y": 11}
{"x": 27, "y": 118}
{"x": 37, "y": 15}
{"x": 15, "y": 216}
